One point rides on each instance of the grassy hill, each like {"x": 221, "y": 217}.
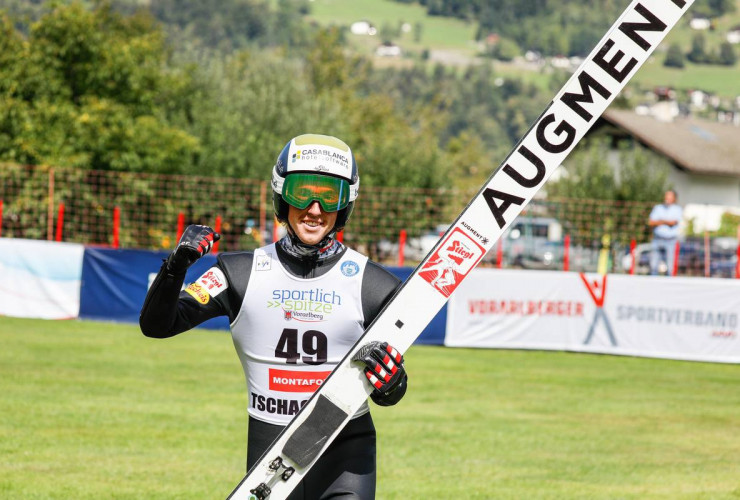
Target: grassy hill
{"x": 441, "y": 33}
{"x": 452, "y": 41}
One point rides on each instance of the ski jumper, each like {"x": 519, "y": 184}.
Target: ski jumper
{"x": 292, "y": 320}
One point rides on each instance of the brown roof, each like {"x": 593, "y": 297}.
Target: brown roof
{"x": 699, "y": 146}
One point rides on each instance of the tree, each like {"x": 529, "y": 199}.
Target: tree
{"x": 698, "y": 53}
{"x": 255, "y": 102}
{"x": 505, "y": 50}
{"x": 637, "y": 175}
{"x": 727, "y": 55}
{"x": 226, "y": 25}
{"x": 728, "y": 225}
{"x": 674, "y": 57}
{"x": 92, "y": 89}
{"x": 418, "y": 31}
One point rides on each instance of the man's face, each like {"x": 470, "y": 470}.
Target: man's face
{"x": 311, "y": 224}
{"x": 669, "y": 198}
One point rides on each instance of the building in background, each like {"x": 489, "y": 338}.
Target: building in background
{"x": 705, "y": 156}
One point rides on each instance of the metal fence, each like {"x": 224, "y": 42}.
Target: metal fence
{"x": 137, "y": 210}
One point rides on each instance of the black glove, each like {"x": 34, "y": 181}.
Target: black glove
{"x": 383, "y": 368}
{"x": 195, "y": 242}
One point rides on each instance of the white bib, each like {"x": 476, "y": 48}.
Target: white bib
{"x": 291, "y": 332}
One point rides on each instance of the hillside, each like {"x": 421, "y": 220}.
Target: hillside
{"x": 452, "y": 40}
{"x": 450, "y": 32}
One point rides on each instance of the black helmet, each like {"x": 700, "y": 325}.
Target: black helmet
{"x": 315, "y": 154}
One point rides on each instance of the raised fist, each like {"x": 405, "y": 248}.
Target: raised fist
{"x": 195, "y": 242}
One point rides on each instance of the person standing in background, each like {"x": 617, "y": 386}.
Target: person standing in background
{"x": 664, "y": 220}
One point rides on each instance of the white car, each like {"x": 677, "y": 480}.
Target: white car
{"x": 416, "y": 248}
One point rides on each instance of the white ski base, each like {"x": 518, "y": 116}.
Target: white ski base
{"x": 586, "y": 95}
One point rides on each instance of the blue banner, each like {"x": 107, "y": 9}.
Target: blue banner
{"x": 115, "y": 282}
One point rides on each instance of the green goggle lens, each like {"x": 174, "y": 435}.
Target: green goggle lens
{"x": 300, "y": 190}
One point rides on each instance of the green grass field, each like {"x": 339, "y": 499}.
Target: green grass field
{"x": 95, "y": 410}
{"x": 722, "y": 80}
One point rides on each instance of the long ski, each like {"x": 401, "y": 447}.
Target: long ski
{"x": 589, "y": 91}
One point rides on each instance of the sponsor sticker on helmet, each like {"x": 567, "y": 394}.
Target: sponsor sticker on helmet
{"x": 350, "y": 268}
{"x": 198, "y": 292}
{"x": 322, "y": 159}
{"x": 452, "y": 261}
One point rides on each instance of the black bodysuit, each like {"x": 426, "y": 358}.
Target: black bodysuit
{"x": 347, "y": 468}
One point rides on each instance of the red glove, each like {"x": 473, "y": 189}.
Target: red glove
{"x": 383, "y": 367}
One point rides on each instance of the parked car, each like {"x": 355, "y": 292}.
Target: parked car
{"x": 531, "y": 243}
{"x": 416, "y": 248}
{"x": 722, "y": 258}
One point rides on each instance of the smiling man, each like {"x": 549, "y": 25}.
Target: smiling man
{"x": 296, "y": 307}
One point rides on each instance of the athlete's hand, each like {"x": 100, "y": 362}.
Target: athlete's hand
{"x": 383, "y": 367}
{"x": 195, "y": 242}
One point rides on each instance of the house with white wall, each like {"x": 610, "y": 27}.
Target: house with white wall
{"x": 705, "y": 157}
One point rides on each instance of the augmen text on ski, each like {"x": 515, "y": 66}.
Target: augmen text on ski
{"x": 589, "y": 91}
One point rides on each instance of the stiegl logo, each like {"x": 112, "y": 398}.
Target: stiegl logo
{"x": 452, "y": 261}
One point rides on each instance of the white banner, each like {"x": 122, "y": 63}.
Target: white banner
{"x": 678, "y": 318}
{"x": 40, "y": 279}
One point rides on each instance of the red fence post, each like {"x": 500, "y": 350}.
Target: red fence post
{"x": 180, "y": 226}
{"x": 263, "y": 211}
{"x": 674, "y": 271}
{"x": 1, "y": 217}
{"x": 633, "y": 247}
{"x": 737, "y": 263}
{"x": 707, "y": 255}
{"x": 566, "y": 253}
{"x": 401, "y": 247}
{"x": 116, "y": 226}
{"x": 340, "y": 236}
{"x": 217, "y": 228}
{"x": 60, "y": 222}
{"x": 50, "y": 206}
{"x": 499, "y": 253}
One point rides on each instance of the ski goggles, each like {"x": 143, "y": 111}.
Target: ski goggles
{"x": 300, "y": 190}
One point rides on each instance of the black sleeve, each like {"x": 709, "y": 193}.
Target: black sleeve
{"x": 378, "y": 285}
{"x": 168, "y": 311}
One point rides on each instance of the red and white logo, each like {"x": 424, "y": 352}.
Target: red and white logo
{"x": 452, "y": 261}
{"x": 598, "y": 294}
{"x": 213, "y": 281}
{"x": 296, "y": 381}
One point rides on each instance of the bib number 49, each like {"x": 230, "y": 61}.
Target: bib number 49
{"x": 313, "y": 342}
